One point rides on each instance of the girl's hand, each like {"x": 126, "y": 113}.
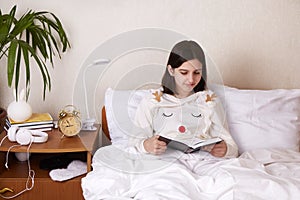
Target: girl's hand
{"x": 219, "y": 149}
{"x": 155, "y": 146}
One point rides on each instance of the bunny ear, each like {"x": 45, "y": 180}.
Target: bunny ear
{"x": 22, "y": 95}
{"x": 15, "y": 94}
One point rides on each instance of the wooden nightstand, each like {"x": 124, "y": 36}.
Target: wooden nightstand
{"x": 81, "y": 146}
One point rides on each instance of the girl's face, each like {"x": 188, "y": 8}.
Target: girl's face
{"x": 187, "y": 76}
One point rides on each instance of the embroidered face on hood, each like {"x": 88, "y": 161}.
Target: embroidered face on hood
{"x": 185, "y": 118}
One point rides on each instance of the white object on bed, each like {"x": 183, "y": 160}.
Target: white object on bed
{"x": 120, "y": 106}
{"x": 258, "y": 174}
{"x": 262, "y": 118}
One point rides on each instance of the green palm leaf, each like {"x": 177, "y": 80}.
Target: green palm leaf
{"x": 35, "y": 37}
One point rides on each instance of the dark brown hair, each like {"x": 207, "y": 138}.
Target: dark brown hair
{"x": 182, "y": 52}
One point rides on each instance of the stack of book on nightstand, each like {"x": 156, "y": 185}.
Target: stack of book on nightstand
{"x": 37, "y": 121}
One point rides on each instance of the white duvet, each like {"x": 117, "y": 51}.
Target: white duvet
{"x": 260, "y": 174}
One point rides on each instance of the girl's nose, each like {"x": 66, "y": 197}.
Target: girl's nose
{"x": 181, "y": 129}
{"x": 190, "y": 78}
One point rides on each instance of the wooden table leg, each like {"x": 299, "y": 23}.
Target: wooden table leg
{"x": 89, "y": 161}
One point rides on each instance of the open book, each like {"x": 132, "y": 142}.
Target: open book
{"x": 188, "y": 145}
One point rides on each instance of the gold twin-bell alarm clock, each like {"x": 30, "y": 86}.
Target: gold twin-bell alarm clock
{"x": 69, "y": 122}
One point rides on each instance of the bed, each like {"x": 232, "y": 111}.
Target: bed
{"x": 264, "y": 123}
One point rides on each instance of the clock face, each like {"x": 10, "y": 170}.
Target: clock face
{"x": 69, "y": 125}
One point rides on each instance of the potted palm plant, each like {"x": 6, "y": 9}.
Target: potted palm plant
{"x": 33, "y": 37}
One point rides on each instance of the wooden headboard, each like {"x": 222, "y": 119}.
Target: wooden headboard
{"x": 104, "y": 123}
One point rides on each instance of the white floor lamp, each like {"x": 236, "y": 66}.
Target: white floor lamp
{"x": 88, "y": 123}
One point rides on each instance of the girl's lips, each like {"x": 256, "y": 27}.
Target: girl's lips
{"x": 190, "y": 85}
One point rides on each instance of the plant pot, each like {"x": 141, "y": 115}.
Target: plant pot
{"x": 3, "y": 115}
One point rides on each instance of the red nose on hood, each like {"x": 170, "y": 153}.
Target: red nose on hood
{"x": 181, "y": 129}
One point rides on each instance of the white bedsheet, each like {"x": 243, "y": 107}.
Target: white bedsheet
{"x": 259, "y": 174}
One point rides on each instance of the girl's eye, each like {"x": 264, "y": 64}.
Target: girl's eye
{"x": 167, "y": 115}
{"x": 196, "y": 115}
{"x": 184, "y": 73}
{"x": 197, "y": 72}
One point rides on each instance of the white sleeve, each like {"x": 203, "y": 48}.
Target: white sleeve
{"x": 219, "y": 128}
{"x": 143, "y": 125}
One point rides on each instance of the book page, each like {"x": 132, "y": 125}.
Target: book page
{"x": 193, "y": 141}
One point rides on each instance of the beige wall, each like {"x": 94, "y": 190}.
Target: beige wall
{"x": 254, "y": 43}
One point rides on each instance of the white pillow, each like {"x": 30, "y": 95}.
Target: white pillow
{"x": 262, "y": 118}
{"x": 121, "y": 106}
